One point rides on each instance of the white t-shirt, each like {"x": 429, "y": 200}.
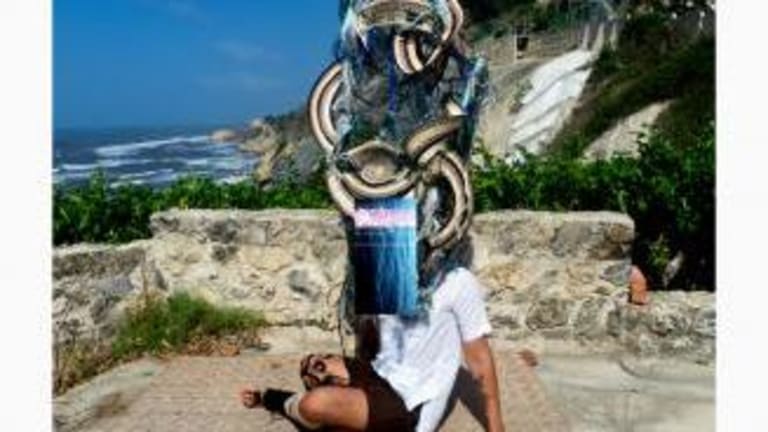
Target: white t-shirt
{"x": 421, "y": 359}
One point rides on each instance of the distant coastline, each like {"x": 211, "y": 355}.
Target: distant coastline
{"x": 153, "y": 156}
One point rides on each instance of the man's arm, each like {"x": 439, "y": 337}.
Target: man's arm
{"x": 479, "y": 359}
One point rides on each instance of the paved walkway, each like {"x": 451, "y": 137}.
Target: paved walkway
{"x": 620, "y": 393}
{"x": 566, "y": 392}
{"x": 200, "y": 394}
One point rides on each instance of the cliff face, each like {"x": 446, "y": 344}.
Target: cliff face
{"x": 549, "y": 276}
{"x": 534, "y": 92}
{"x": 536, "y": 88}
{"x": 540, "y": 80}
{"x": 283, "y": 143}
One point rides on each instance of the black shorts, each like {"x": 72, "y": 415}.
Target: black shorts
{"x": 386, "y": 410}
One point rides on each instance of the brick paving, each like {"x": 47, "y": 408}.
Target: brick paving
{"x": 194, "y": 394}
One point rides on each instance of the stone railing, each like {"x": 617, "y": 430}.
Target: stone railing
{"x": 549, "y": 276}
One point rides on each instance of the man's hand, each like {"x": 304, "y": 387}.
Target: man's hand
{"x": 250, "y": 398}
{"x": 479, "y": 358}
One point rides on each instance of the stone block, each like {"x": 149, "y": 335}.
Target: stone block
{"x": 549, "y": 313}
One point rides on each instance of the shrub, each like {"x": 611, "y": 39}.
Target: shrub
{"x": 629, "y": 79}
{"x": 76, "y": 361}
{"x": 608, "y": 64}
{"x": 157, "y": 326}
{"x": 98, "y": 213}
{"x": 669, "y": 192}
{"x": 160, "y": 326}
{"x": 484, "y": 10}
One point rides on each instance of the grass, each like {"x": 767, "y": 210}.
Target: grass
{"x": 158, "y": 327}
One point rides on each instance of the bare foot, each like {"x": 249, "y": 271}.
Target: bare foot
{"x": 529, "y": 357}
{"x": 250, "y": 398}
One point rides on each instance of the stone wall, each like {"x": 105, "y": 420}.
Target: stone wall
{"x": 549, "y": 276}
{"x": 93, "y": 284}
{"x": 288, "y": 264}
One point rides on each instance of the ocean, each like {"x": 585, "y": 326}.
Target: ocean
{"x": 146, "y": 156}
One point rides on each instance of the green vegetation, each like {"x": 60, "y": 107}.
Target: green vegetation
{"x": 485, "y": 10}
{"x": 669, "y": 191}
{"x": 650, "y": 66}
{"x": 75, "y": 361}
{"x": 496, "y": 18}
{"x": 178, "y": 324}
{"x": 97, "y": 213}
{"x": 160, "y": 326}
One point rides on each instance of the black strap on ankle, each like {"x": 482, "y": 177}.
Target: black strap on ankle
{"x": 274, "y": 400}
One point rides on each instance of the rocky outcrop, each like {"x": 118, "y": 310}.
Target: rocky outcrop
{"x": 223, "y": 135}
{"x": 549, "y": 276}
{"x": 284, "y": 146}
{"x": 261, "y": 138}
{"x": 297, "y": 161}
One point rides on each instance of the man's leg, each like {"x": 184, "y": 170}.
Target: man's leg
{"x": 342, "y": 407}
{"x": 332, "y": 405}
{"x": 329, "y": 406}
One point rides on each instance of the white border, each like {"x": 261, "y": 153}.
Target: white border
{"x": 742, "y": 142}
{"x": 25, "y": 311}
{"x": 25, "y": 274}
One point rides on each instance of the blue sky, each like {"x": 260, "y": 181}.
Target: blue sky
{"x": 186, "y": 62}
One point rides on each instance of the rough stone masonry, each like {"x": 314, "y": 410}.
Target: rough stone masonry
{"x": 550, "y": 277}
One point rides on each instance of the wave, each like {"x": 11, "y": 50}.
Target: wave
{"x": 233, "y": 179}
{"x": 227, "y": 163}
{"x": 165, "y": 176}
{"x": 197, "y": 162}
{"x": 59, "y": 177}
{"x": 119, "y": 150}
{"x": 105, "y": 163}
{"x": 145, "y": 177}
{"x": 144, "y": 174}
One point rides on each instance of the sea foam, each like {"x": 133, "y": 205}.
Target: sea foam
{"x": 120, "y": 150}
